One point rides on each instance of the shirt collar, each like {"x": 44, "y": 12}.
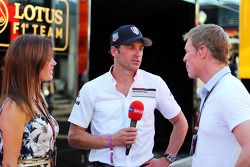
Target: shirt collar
{"x": 111, "y": 76}
{"x": 211, "y": 83}
{"x": 113, "y": 79}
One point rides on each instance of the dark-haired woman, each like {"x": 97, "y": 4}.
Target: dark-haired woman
{"x": 27, "y": 130}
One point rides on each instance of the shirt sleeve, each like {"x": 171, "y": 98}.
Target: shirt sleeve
{"x": 235, "y": 106}
{"x": 82, "y": 111}
{"x": 166, "y": 103}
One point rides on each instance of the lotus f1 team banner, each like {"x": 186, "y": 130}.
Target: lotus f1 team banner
{"x": 46, "y": 18}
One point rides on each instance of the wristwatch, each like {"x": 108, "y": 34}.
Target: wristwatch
{"x": 169, "y": 157}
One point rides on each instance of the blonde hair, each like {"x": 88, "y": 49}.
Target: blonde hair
{"x": 213, "y": 37}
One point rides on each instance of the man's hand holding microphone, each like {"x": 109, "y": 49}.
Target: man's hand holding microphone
{"x": 127, "y": 136}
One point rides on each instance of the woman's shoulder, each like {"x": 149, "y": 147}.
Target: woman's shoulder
{"x": 11, "y": 111}
{"x": 4, "y": 101}
{"x": 9, "y": 105}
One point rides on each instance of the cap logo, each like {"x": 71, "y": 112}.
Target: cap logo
{"x": 134, "y": 30}
{"x": 115, "y": 37}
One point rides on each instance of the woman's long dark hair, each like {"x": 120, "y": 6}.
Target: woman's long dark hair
{"x": 25, "y": 58}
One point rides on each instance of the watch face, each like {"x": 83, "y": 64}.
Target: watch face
{"x": 170, "y": 157}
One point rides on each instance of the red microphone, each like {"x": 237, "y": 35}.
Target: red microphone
{"x": 135, "y": 112}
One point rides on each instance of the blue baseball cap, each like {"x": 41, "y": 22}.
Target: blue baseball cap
{"x": 128, "y": 34}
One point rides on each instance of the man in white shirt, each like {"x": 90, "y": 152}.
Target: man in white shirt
{"x": 223, "y": 138}
{"x": 104, "y": 102}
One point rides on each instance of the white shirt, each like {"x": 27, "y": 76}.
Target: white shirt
{"x": 102, "y": 105}
{"x": 227, "y": 106}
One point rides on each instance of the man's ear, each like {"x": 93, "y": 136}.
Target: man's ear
{"x": 202, "y": 50}
{"x": 113, "y": 50}
{"x": 199, "y": 52}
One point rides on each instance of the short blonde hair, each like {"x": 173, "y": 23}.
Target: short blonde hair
{"x": 213, "y": 37}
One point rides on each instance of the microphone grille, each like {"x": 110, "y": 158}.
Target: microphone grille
{"x": 136, "y": 110}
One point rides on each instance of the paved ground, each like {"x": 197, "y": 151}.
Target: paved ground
{"x": 184, "y": 162}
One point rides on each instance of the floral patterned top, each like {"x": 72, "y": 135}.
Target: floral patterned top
{"x": 38, "y": 140}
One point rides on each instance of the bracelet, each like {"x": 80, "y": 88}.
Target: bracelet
{"x": 111, "y": 148}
